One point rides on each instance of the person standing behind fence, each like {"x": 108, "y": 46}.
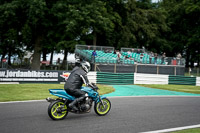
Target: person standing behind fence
{"x": 155, "y": 58}
{"x": 118, "y": 57}
{"x": 178, "y": 57}
{"x": 94, "y": 54}
{"x": 163, "y": 57}
{"x": 58, "y": 61}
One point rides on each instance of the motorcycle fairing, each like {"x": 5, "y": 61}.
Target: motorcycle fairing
{"x": 61, "y": 93}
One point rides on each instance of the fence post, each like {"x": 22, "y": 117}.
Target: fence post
{"x": 95, "y": 67}
{"x": 115, "y": 67}
{"x": 136, "y": 68}
{"x": 175, "y": 70}
{"x": 189, "y": 71}
{"x": 157, "y": 69}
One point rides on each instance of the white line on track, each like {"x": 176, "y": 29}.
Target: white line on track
{"x": 173, "y": 129}
{"x": 23, "y": 101}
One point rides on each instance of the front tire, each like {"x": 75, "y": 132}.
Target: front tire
{"x": 57, "y": 111}
{"x": 100, "y": 110}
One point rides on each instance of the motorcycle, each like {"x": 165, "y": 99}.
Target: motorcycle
{"x": 58, "y": 108}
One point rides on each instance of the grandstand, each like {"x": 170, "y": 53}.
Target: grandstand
{"x": 131, "y": 57}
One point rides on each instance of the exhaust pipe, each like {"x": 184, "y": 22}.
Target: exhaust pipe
{"x": 50, "y": 99}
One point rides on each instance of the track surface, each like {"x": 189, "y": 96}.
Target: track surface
{"x": 128, "y": 115}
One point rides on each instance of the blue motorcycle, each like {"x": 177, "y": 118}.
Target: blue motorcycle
{"x": 58, "y": 108}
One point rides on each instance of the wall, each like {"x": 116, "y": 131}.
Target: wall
{"x": 198, "y": 81}
{"x": 141, "y": 68}
{"x": 19, "y": 76}
{"x": 140, "y": 78}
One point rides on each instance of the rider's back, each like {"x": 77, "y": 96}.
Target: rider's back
{"x": 75, "y": 80}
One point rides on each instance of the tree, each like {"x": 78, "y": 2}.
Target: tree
{"x": 141, "y": 24}
{"x": 88, "y": 17}
{"x": 10, "y": 35}
{"x": 184, "y": 20}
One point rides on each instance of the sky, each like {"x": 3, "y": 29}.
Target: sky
{"x": 155, "y": 1}
{"x": 70, "y": 57}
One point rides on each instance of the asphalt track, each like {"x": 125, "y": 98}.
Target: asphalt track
{"x": 128, "y": 115}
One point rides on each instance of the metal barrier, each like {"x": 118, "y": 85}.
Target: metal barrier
{"x": 92, "y": 47}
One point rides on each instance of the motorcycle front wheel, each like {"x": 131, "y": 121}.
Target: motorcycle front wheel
{"x": 57, "y": 111}
{"x": 102, "y": 110}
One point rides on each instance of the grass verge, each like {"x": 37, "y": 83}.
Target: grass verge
{"x": 20, "y": 92}
{"x": 195, "y": 130}
{"x": 179, "y": 88}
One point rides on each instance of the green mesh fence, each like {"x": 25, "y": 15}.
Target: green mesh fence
{"x": 115, "y": 78}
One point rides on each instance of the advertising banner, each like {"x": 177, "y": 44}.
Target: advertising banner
{"x": 29, "y": 76}
{"x": 43, "y": 76}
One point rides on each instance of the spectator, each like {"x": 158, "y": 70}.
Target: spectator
{"x": 163, "y": 57}
{"x": 107, "y": 51}
{"x": 58, "y": 61}
{"x": 138, "y": 51}
{"x": 127, "y": 57}
{"x": 129, "y": 53}
{"x": 94, "y": 54}
{"x": 151, "y": 56}
{"x": 114, "y": 52}
{"x": 118, "y": 57}
{"x": 178, "y": 57}
{"x": 155, "y": 58}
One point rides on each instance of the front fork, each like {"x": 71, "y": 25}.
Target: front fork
{"x": 101, "y": 102}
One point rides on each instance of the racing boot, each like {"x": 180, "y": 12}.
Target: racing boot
{"x": 72, "y": 104}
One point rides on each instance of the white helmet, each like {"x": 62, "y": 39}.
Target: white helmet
{"x": 86, "y": 66}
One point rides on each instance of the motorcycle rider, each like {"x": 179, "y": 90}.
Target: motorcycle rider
{"x": 75, "y": 81}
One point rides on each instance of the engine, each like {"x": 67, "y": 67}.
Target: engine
{"x": 86, "y": 105}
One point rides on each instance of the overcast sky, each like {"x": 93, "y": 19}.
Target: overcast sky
{"x": 154, "y": 0}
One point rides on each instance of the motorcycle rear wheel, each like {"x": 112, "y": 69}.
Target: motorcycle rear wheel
{"x": 102, "y": 110}
{"x": 57, "y": 111}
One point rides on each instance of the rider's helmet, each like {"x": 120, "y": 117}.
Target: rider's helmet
{"x": 86, "y": 66}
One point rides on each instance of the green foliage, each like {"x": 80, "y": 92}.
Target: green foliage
{"x": 183, "y": 19}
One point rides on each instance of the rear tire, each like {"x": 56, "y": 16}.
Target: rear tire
{"x": 100, "y": 110}
{"x": 55, "y": 110}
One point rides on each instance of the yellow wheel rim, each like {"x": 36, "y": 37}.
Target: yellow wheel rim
{"x": 54, "y": 110}
{"x": 103, "y": 109}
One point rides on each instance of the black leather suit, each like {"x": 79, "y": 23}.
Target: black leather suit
{"x": 75, "y": 81}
